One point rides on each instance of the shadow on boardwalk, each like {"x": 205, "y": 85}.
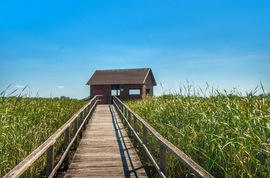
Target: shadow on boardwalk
{"x": 125, "y": 150}
{"x": 105, "y": 149}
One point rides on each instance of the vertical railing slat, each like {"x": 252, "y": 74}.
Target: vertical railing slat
{"x": 145, "y": 135}
{"x": 135, "y": 129}
{"x": 49, "y": 160}
{"x": 162, "y": 157}
{"x": 67, "y": 140}
{"x": 125, "y": 114}
{"x": 75, "y": 131}
{"x": 80, "y": 123}
{"x": 145, "y": 140}
{"x": 129, "y": 130}
{"x": 85, "y": 114}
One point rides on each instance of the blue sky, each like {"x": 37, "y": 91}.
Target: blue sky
{"x": 55, "y": 46}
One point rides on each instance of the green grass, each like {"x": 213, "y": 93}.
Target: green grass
{"x": 227, "y": 134}
{"x": 25, "y": 123}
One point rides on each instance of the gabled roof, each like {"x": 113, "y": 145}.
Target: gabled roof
{"x": 121, "y": 76}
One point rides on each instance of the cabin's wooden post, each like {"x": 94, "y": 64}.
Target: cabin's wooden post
{"x": 162, "y": 157}
{"x": 67, "y": 140}
{"x": 75, "y": 131}
{"x": 129, "y": 131}
{"x": 135, "y": 129}
{"x": 49, "y": 160}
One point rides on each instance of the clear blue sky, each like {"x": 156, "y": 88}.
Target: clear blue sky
{"x": 55, "y": 46}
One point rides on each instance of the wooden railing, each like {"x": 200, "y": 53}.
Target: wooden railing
{"x": 75, "y": 124}
{"x": 127, "y": 115}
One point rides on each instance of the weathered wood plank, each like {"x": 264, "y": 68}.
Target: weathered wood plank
{"x": 105, "y": 150}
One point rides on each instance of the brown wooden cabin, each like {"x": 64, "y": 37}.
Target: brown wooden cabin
{"x": 126, "y": 84}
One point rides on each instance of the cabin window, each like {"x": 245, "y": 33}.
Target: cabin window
{"x": 148, "y": 91}
{"x": 115, "y": 92}
{"x": 134, "y": 92}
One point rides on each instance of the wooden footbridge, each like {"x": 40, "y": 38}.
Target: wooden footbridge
{"x": 105, "y": 149}
{"x": 102, "y": 141}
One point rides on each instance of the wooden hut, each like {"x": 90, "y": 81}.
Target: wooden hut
{"x": 126, "y": 84}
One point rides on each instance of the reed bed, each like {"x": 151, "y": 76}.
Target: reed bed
{"x": 25, "y": 123}
{"x": 226, "y": 133}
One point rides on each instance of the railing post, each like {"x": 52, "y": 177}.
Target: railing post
{"x": 67, "y": 140}
{"x": 92, "y": 111}
{"x": 49, "y": 160}
{"x": 162, "y": 157}
{"x": 135, "y": 129}
{"x": 144, "y": 135}
{"x": 122, "y": 115}
{"x": 75, "y": 131}
{"x": 129, "y": 130}
{"x": 125, "y": 115}
{"x": 145, "y": 140}
{"x": 81, "y": 115}
{"x": 85, "y": 114}
{"x": 99, "y": 100}
{"x": 88, "y": 110}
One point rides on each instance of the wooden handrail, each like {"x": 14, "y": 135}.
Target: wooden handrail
{"x": 125, "y": 114}
{"x": 48, "y": 145}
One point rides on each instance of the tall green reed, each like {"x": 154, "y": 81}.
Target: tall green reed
{"x": 225, "y": 132}
{"x": 25, "y": 123}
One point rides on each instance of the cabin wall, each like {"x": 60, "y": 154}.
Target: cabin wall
{"x": 149, "y": 84}
{"x": 104, "y": 90}
{"x": 123, "y": 92}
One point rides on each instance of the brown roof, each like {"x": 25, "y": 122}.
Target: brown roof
{"x": 121, "y": 76}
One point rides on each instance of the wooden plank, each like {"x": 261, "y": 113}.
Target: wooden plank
{"x": 105, "y": 150}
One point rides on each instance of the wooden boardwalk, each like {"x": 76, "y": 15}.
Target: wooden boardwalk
{"x": 105, "y": 149}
